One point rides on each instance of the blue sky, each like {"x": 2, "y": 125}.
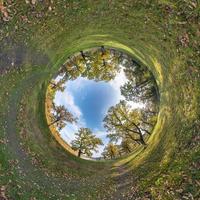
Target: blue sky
{"x": 89, "y": 101}
{"x": 93, "y": 99}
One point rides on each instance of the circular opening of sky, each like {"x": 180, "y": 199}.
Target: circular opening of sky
{"x": 103, "y": 103}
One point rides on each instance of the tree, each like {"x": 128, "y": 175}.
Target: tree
{"x": 126, "y": 145}
{"x": 111, "y": 151}
{"x": 58, "y": 86}
{"x": 99, "y": 64}
{"x": 85, "y": 142}
{"x": 148, "y": 120}
{"x": 60, "y": 116}
{"x": 103, "y": 66}
{"x": 124, "y": 122}
{"x": 136, "y": 72}
{"x": 74, "y": 67}
{"x": 139, "y": 93}
{"x": 83, "y": 55}
{"x": 141, "y": 85}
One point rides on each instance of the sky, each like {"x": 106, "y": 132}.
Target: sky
{"x": 89, "y": 101}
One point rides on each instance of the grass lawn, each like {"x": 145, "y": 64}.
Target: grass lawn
{"x": 36, "y": 38}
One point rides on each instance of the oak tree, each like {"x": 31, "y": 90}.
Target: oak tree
{"x": 123, "y": 122}
{"x": 111, "y": 151}
{"x": 60, "y": 116}
{"x": 85, "y": 142}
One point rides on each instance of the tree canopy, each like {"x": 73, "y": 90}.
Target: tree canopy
{"x": 58, "y": 86}
{"x": 141, "y": 85}
{"x": 85, "y": 142}
{"x": 100, "y": 65}
{"x": 111, "y": 151}
{"x": 60, "y": 116}
{"x": 123, "y": 122}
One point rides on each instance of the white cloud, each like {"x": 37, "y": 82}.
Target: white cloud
{"x": 100, "y": 149}
{"x": 65, "y": 98}
{"x": 135, "y": 105}
{"x": 79, "y": 84}
{"x": 58, "y": 78}
{"x": 119, "y": 80}
{"x": 67, "y": 133}
{"x": 98, "y": 154}
{"x": 100, "y": 133}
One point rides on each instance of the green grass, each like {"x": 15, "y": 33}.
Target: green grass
{"x": 168, "y": 168}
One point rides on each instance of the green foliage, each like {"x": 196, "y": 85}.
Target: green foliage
{"x": 123, "y": 122}
{"x": 60, "y": 116}
{"x": 111, "y": 151}
{"x": 141, "y": 85}
{"x": 127, "y": 145}
{"x": 57, "y": 86}
{"x": 100, "y": 65}
{"x": 85, "y": 142}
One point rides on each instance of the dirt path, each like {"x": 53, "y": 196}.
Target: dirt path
{"x": 125, "y": 188}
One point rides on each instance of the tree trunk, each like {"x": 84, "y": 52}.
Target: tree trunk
{"x": 142, "y": 139}
{"x": 134, "y": 124}
{"x": 54, "y": 85}
{"x": 103, "y": 50}
{"x": 104, "y": 63}
{"x": 146, "y": 131}
{"x": 83, "y": 55}
{"x": 79, "y": 153}
{"x": 142, "y": 84}
{"x": 147, "y": 123}
{"x": 128, "y": 149}
{"x": 54, "y": 122}
{"x": 140, "y": 133}
{"x": 137, "y": 141}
